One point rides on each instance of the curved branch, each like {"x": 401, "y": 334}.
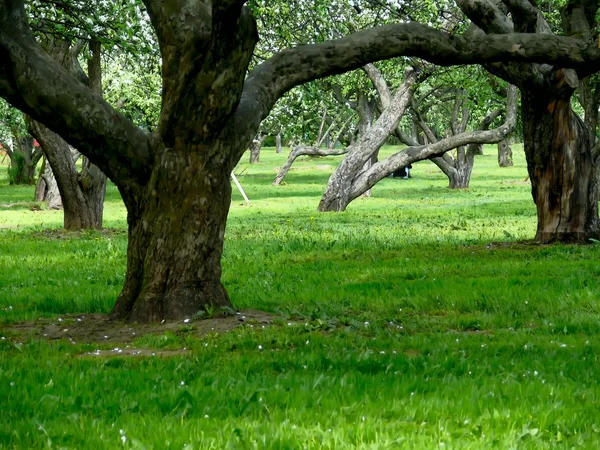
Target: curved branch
{"x": 289, "y": 68}
{"x": 36, "y": 84}
{"x": 304, "y": 151}
{"x": 382, "y": 169}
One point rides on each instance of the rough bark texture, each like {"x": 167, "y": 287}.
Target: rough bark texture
{"x": 561, "y": 169}
{"x": 505, "y": 155}
{"x": 558, "y": 145}
{"x": 176, "y": 243}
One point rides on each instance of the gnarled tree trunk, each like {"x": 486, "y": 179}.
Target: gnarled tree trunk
{"x": 560, "y": 164}
{"x": 176, "y": 240}
{"x": 255, "y": 148}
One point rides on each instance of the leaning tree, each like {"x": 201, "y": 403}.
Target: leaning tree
{"x": 175, "y": 182}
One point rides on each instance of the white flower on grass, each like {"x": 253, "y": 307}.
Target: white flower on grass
{"x": 260, "y": 347}
{"x": 182, "y": 383}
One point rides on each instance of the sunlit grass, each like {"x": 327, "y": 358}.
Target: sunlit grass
{"x": 402, "y": 324}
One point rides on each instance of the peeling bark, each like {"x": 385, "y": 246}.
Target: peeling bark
{"x": 561, "y": 167}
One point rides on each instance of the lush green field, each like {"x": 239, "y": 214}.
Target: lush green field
{"x": 414, "y": 320}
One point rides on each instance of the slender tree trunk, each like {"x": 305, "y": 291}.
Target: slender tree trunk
{"x": 304, "y": 151}
{"x": 278, "y": 145}
{"x": 176, "y": 240}
{"x": 561, "y": 167}
{"x": 255, "y": 148}
{"x": 505, "y": 155}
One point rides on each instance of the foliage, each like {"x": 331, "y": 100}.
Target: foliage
{"x": 123, "y": 24}
{"x": 401, "y": 324}
{"x": 15, "y": 172}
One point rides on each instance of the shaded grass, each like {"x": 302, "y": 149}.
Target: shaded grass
{"x": 403, "y": 325}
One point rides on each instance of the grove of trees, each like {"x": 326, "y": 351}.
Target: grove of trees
{"x": 219, "y": 83}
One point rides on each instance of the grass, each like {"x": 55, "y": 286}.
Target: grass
{"x": 402, "y": 324}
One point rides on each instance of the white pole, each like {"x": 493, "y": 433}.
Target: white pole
{"x": 240, "y": 188}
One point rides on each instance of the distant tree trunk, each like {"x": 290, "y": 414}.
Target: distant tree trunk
{"x": 560, "y": 163}
{"x": 278, "y": 146}
{"x": 79, "y": 191}
{"x": 23, "y": 159}
{"x": 338, "y": 193}
{"x": 47, "y": 188}
{"x": 505, "y": 155}
{"x": 82, "y": 193}
{"x": 365, "y": 122}
{"x": 255, "y": 148}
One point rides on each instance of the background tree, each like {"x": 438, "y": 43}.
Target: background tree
{"x": 18, "y": 145}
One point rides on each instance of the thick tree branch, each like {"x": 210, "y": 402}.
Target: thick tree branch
{"x": 271, "y": 79}
{"x": 37, "y": 85}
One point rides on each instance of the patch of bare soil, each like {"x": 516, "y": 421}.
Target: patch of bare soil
{"x": 99, "y": 329}
{"x": 59, "y": 234}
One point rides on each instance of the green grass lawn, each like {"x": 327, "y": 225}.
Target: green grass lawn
{"x": 417, "y": 319}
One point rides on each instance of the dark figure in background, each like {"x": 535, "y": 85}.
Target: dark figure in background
{"x": 402, "y": 172}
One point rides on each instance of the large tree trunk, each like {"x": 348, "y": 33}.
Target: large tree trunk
{"x": 560, "y": 165}
{"x": 176, "y": 241}
{"x": 505, "y": 155}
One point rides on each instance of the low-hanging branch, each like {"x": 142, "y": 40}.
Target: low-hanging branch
{"x": 314, "y": 151}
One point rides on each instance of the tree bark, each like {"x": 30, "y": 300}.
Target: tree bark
{"x": 176, "y": 242}
{"x": 560, "y": 165}
{"x": 81, "y": 193}
{"x": 175, "y": 181}
{"x": 47, "y": 188}
{"x": 255, "y": 148}
{"x": 337, "y": 195}
{"x": 278, "y": 147}
{"x": 505, "y": 155}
